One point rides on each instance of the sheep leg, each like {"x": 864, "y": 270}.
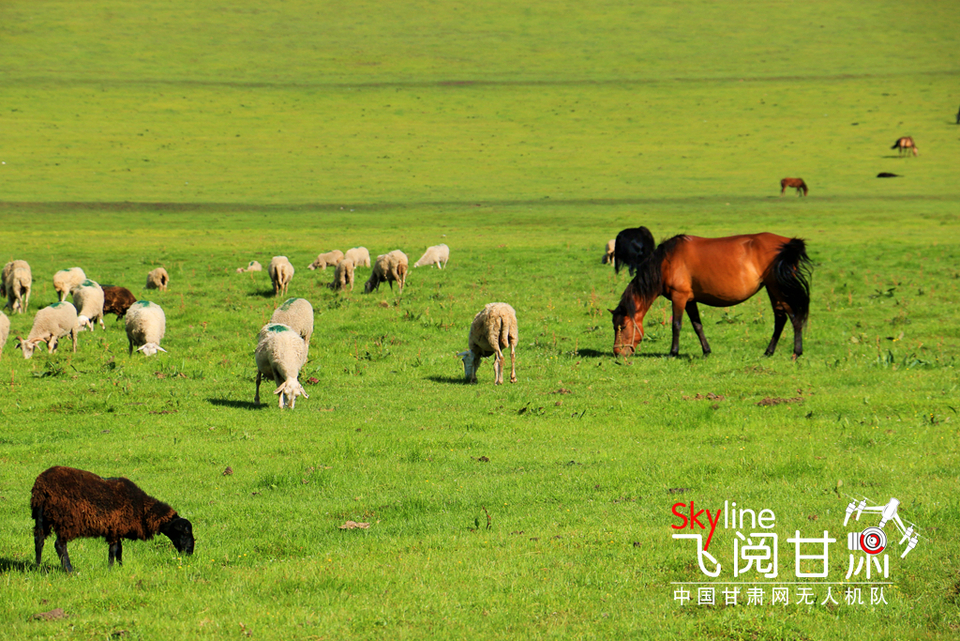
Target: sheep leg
{"x": 40, "y": 532}
{"x": 61, "y": 547}
{"x": 498, "y": 367}
{"x": 116, "y": 552}
{"x": 256, "y": 396}
{"x": 73, "y": 336}
{"x": 513, "y": 364}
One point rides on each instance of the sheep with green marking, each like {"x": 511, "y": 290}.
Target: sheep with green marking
{"x": 280, "y": 354}
{"x": 297, "y": 314}
{"x": 88, "y": 299}
{"x": 146, "y": 324}
{"x": 66, "y": 280}
{"x": 50, "y": 325}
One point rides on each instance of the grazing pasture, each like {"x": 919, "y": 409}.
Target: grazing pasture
{"x": 201, "y": 137}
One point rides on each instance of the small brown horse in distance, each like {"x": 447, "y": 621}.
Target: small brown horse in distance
{"x": 905, "y": 144}
{"x": 720, "y": 272}
{"x": 796, "y": 183}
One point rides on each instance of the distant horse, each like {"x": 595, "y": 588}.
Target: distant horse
{"x": 796, "y": 183}
{"x": 905, "y": 144}
{"x": 720, "y": 272}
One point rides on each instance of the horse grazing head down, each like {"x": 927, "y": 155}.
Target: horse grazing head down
{"x": 627, "y": 323}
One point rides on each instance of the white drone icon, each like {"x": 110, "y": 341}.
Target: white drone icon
{"x": 887, "y": 512}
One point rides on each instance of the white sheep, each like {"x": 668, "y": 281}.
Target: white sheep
{"x": 437, "y": 255}
{"x": 297, "y": 314}
{"x": 158, "y": 279}
{"x": 330, "y": 258}
{"x": 49, "y": 325}
{"x": 88, "y": 299}
{"x": 281, "y": 273}
{"x": 16, "y": 284}
{"x": 608, "y": 251}
{"x": 4, "y": 331}
{"x": 252, "y": 266}
{"x": 492, "y": 329}
{"x": 280, "y": 354}
{"x": 359, "y": 255}
{"x": 146, "y": 324}
{"x": 391, "y": 268}
{"x": 344, "y": 275}
{"x": 65, "y": 280}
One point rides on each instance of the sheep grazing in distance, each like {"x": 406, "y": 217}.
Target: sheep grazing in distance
{"x": 280, "y": 354}
{"x": 252, "y": 266}
{"x": 16, "y": 283}
{"x": 437, "y": 255}
{"x": 117, "y": 300}
{"x": 493, "y": 329}
{"x": 608, "y": 251}
{"x": 146, "y": 325}
{"x": 88, "y": 299}
{"x": 281, "y": 273}
{"x": 391, "y": 268}
{"x": 158, "y": 279}
{"x": 4, "y": 331}
{"x": 330, "y": 258}
{"x": 343, "y": 277}
{"x": 359, "y": 255}
{"x": 49, "y": 325}
{"x": 65, "y": 280}
{"x": 78, "y": 504}
{"x": 297, "y": 314}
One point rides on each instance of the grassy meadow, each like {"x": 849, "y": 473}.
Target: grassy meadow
{"x": 200, "y": 136}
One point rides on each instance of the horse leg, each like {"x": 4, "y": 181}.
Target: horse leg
{"x": 694, "y": 315}
{"x": 797, "y": 337}
{"x": 676, "y": 323}
{"x": 779, "y": 321}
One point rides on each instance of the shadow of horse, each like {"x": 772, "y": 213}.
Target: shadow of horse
{"x": 240, "y": 405}
{"x": 449, "y": 380}
{"x": 9, "y": 565}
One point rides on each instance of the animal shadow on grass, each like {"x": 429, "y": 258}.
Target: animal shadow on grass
{"x": 449, "y": 380}
{"x": 266, "y": 293}
{"x": 592, "y": 353}
{"x": 240, "y": 405}
{"x": 9, "y": 565}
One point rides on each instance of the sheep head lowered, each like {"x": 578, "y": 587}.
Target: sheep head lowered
{"x": 470, "y": 362}
{"x": 180, "y": 532}
{"x": 288, "y": 391}
{"x": 150, "y": 349}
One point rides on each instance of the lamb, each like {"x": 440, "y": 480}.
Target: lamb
{"x": 158, "y": 279}
{"x": 492, "y": 329}
{"x": 344, "y": 275}
{"x": 252, "y": 266}
{"x": 4, "y": 331}
{"x": 281, "y": 272}
{"x": 389, "y": 267}
{"x": 280, "y": 354}
{"x": 146, "y": 325}
{"x": 78, "y": 504}
{"x": 49, "y": 325}
{"x": 88, "y": 299}
{"x": 330, "y": 258}
{"x": 359, "y": 255}
{"x": 17, "y": 281}
{"x": 65, "y": 280}
{"x": 437, "y": 255}
{"x": 609, "y": 251}
{"x": 297, "y": 314}
{"x": 117, "y": 300}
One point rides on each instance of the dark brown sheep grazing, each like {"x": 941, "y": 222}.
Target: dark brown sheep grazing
{"x": 117, "y": 300}
{"x": 77, "y": 504}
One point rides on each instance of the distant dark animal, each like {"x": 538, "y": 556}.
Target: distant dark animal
{"x": 720, "y": 272}
{"x": 905, "y": 144}
{"x": 77, "y": 504}
{"x": 796, "y": 183}
{"x": 117, "y": 300}
{"x": 887, "y": 174}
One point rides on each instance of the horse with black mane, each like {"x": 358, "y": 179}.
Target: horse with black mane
{"x": 720, "y": 272}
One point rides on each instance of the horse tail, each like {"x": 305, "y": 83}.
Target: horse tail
{"x": 896, "y": 144}
{"x": 632, "y": 248}
{"x": 791, "y": 268}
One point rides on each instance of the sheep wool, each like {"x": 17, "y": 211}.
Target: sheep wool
{"x": 331, "y": 258}
{"x": 78, "y": 504}
{"x": 16, "y": 284}
{"x": 297, "y": 314}
{"x": 146, "y": 325}
{"x": 88, "y": 299}
{"x": 252, "y": 266}
{"x": 391, "y": 268}
{"x": 281, "y": 273}
{"x": 493, "y": 329}
{"x": 65, "y": 280}
{"x": 359, "y": 255}
{"x": 117, "y": 300}
{"x": 280, "y": 354}
{"x": 158, "y": 279}
{"x": 49, "y": 325}
{"x": 4, "y": 331}
{"x": 344, "y": 275}
{"x": 437, "y": 255}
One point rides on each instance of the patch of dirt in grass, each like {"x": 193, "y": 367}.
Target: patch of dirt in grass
{"x": 768, "y": 401}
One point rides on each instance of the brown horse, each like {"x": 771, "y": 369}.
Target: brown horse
{"x": 720, "y": 272}
{"x": 796, "y": 183}
{"x": 905, "y": 144}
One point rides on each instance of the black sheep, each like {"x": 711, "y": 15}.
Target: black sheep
{"x": 78, "y": 504}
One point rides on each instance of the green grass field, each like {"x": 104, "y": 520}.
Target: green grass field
{"x": 200, "y": 136}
